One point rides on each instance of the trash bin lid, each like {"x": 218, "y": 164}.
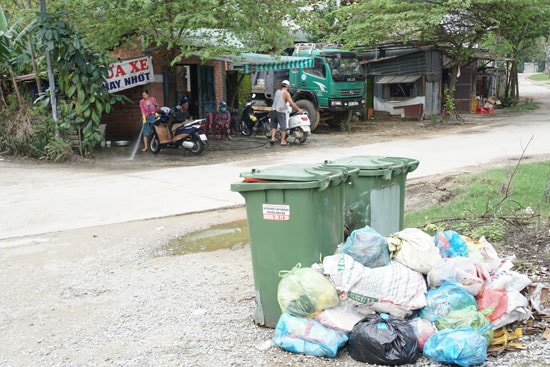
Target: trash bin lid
{"x": 293, "y": 173}
{"x": 295, "y": 176}
{"x": 377, "y": 165}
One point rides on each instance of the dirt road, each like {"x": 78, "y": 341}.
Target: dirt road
{"x": 100, "y": 296}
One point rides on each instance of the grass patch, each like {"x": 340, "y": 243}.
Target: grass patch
{"x": 485, "y": 203}
{"x": 221, "y": 236}
{"x": 527, "y": 105}
{"x": 540, "y": 78}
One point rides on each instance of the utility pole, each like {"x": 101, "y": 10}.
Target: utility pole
{"x": 51, "y": 78}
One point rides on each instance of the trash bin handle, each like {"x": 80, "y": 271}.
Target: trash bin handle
{"x": 326, "y": 179}
{"x": 385, "y": 173}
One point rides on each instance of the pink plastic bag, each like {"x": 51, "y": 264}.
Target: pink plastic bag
{"x": 493, "y": 298}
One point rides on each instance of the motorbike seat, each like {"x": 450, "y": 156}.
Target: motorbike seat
{"x": 176, "y": 125}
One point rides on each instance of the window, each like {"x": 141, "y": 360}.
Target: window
{"x": 318, "y": 68}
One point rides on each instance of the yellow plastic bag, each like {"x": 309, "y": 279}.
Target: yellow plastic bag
{"x": 305, "y": 292}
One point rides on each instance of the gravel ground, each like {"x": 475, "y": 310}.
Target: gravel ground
{"x": 101, "y": 297}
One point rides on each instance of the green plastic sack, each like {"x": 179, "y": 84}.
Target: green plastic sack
{"x": 465, "y": 317}
{"x": 305, "y": 292}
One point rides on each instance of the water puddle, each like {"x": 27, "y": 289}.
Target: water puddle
{"x": 222, "y": 236}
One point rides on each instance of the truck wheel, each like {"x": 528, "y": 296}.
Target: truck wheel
{"x": 312, "y": 113}
{"x": 340, "y": 118}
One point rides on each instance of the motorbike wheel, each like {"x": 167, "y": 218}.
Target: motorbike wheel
{"x": 266, "y": 129}
{"x": 312, "y": 113}
{"x": 198, "y": 146}
{"x": 303, "y": 139}
{"x": 154, "y": 144}
{"x": 245, "y": 130}
{"x": 299, "y": 134}
{"x": 277, "y": 135}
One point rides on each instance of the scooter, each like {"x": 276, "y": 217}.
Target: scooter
{"x": 180, "y": 134}
{"x": 299, "y": 127}
{"x": 254, "y": 122}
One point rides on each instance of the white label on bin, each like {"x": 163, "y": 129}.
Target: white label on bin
{"x": 276, "y": 212}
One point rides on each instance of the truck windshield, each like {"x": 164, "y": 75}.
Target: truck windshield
{"x": 345, "y": 68}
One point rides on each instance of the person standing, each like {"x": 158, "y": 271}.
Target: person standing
{"x": 148, "y": 106}
{"x": 279, "y": 112}
{"x": 223, "y": 122}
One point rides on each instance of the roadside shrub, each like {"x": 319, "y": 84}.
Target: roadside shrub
{"x": 26, "y": 132}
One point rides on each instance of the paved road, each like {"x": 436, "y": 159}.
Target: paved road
{"x": 45, "y": 198}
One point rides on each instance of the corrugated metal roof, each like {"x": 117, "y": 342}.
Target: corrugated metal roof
{"x": 394, "y": 79}
{"x": 251, "y": 62}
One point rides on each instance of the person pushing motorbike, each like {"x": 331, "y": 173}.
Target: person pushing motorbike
{"x": 279, "y": 110}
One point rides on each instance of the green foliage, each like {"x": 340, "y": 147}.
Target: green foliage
{"x": 486, "y": 204}
{"x": 80, "y": 77}
{"x": 528, "y": 105}
{"x": 449, "y": 105}
{"x": 540, "y": 78}
{"x": 57, "y": 150}
{"x": 25, "y": 132}
{"x": 211, "y": 27}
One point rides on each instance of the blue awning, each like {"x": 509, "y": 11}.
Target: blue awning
{"x": 252, "y": 62}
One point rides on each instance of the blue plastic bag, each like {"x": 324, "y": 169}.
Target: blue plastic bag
{"x": 464, "y": 347}
{"x": 446, "y": 298}
{"x": 450, "y": 244}
{"x": 368, "y": 247}
{"x": 308, "y": 336}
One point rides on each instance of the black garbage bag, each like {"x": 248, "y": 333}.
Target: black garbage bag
{"x": 383, "y": 339}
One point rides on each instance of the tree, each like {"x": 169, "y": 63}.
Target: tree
{"x": 455, "y": 26}
{"x": 80, "y": 75}
{"x": 11, "y": 47}
{"x": 174, "y": 29}
{"x": 520, "y": 28}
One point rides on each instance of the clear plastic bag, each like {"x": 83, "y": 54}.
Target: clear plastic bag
{"x": 368, "y": 247}
{"x": 415, "y": 249}
{"x": 444, "y": 299}
{"x": 469, "y": 273}
{"x": 342, "y": 317}
{"x": 423, "y": 329}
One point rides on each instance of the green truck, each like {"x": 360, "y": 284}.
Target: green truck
{"x": 330, "y": 90}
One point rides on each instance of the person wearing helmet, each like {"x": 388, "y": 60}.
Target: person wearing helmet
{"x": 182, "y": 111}
{"x": 278, "y": 113}
{"x": 223, "y": 122}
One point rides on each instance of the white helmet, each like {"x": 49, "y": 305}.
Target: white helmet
{"x": 285, "y": 83}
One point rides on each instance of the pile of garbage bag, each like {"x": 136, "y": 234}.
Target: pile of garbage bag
{"x": 391, "y": 299}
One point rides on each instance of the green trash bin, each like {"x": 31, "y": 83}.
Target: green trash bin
{"x": 295, "y": 215}
{"x": 376, "y": 196}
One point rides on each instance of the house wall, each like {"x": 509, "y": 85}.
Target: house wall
{"x": 124, "y": 122}
{"x": 407, "y": 61}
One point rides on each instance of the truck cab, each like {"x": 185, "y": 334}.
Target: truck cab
{"x": 329, "y": 91}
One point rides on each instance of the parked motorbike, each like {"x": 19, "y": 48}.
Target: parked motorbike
{"x": 180, "y": 134}
{"x": 299, "y": 127}
{"x": 254, "y": 122}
